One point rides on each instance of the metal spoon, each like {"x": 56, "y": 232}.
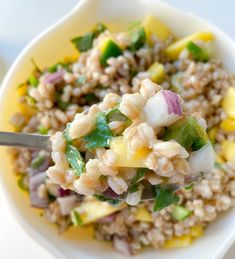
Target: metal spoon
{"x": 42, "y": 142}
{"x": 26, "y": 140}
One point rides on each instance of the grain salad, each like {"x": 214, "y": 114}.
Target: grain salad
{"x": 102, "y": 96}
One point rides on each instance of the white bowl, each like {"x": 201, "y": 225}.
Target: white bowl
{"x": 50, "y": 47}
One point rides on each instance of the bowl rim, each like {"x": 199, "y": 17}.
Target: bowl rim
{"x": 227, "y": 243}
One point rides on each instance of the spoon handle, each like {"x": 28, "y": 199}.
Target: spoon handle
{"x": 25, "y": 140}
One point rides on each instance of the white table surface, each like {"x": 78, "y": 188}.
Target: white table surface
{"x": 21, "y": 21}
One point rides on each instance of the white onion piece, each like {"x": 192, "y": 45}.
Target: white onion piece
{"x": 66, "y": 204}
{"x": 163, "y": 109}
{"x": 203, "y": 159}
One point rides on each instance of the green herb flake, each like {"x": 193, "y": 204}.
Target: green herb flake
{"x": 189, "y": 187}
{"x": 35, "y": 65}
{"x": 37, "y": 161}
{"x": 134, "y": 186}
{"x": 42, "y": 130}
{"x": 137, "y": 35}
{"x": 75, "y": 159}
{"x": 91, "y": 98}
{"x": 104, "y": 198}
{"x": 101, "y": 135}
{"x": 164, "y": 197}
{"x": 33, "y": 80}
{"x": 98, "y": 29}
{"x": 84, "y": 43}
{"x": 22, "y": 183}
{"x": 66, "y": 133}
{"x": 62, "y": 105}
{"x": 76, "y": 218}
{"x": 198, "y": 53}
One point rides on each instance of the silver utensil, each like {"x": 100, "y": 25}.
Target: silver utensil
{"x": 42, "y": 142}
{"x": 26, "y": 140}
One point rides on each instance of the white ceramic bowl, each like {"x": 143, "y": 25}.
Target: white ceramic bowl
{"x": 50, "y": 47}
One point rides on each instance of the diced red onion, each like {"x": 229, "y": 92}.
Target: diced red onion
{"x": 63, "y": 192}
{"x": 163, "y": 109}
{"x": 67, "y": 204}
{"x": 34, "y": 182}
{"x": 42, "y": 168}
{"x": 53, "y": 78}
{"x": 173, "y": 102}
{"x": 203, "y": 159}
{"x": 110, "y": 193}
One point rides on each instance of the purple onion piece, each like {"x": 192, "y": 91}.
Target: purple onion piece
{"x": 64, "y": 193}
{"x": 34, "y": 182}
{"x": 110, "y": 193}
{"x": 53, "y": 78}
{"x": 173, "y": 102}
{"x": 42, "y": 168}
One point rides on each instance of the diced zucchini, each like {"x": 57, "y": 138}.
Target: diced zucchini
{"x": 153, "y": 25}
{"x": 125, "y": 158}
{"x": 91, "y": 210}
{"x": 198, "y": 53}
{"x": 109, "y": 49}
{"x": 180, "y": 213}
{"x": 157, "y": 73}
{"x": 176, "y": 242}
{"x": 142, "y": 214}
{"x": 228, "y": 103}
{"x": 173, "y": 50}
{"x": 188, "y": 133}
{"x": 228, "y": 150}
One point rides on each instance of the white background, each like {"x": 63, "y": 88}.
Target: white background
{"x": 21, "y": 21}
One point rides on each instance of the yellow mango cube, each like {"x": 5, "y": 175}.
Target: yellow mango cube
{"x": 157, "y": 73}
{"x": 69, "y": 59}
{"x": 22, "y": 89}
{"x": 196, "y": 231}
{"x": 91, "y": 210}
{"x": 126, "y": 158}
{"x": 27, "y": 110}
{"x": 142, "y": 214}
{"x": 228, "y": 103}
{"x": 173, "y": 50}
{"x": 228, "y": 150}
{"x": 228, "y": 124}
{"x": 153, "y": 25}
{"x": 176, "y": 242}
